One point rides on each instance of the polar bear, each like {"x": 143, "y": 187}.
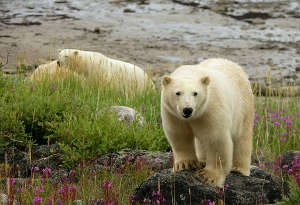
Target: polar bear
{"x": 51, "y": 71}
{"x": 98, "y": 66}
{"x": 207, "y": 115}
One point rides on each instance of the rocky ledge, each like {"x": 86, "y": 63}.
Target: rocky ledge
{"x": 182, "y": 188}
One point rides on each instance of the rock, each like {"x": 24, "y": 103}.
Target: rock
{"x": 188, "y": 2}
{"x": 128, "y": 10}
{"x": 128, "y": 114}
{"x": 298, "y": 68}
{"x": 43, "y": 156}
{"x": 257, "y": 21}
{"x": 259, "y": 188}
{"x": 154, "y": 160}
{"x": 3, "y": 198}
{"x": 287, "y": 158}
{"x": 18, "y": 161}
{"x": 78, "y": 202}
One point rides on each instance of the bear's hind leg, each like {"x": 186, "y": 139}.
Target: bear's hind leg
{"x": 242, "y": 147}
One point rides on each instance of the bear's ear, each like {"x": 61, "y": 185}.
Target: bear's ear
{"x": 166, "y": 80}
{"x": 205, "y": 80}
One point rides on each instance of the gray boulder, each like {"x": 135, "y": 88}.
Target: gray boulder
{"x": 128, "y": 114}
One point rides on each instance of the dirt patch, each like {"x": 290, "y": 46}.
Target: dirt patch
{"x": 262, "y": 36}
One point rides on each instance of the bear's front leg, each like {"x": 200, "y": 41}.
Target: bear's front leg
{"x": 184, "y": 153}
{"x": 182, "y": 143}
{"x": 218, "y": 161}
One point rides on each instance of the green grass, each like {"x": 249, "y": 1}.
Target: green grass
{"x": 76, "y": 115}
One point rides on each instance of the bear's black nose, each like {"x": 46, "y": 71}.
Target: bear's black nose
{"x": 187, "y": 112}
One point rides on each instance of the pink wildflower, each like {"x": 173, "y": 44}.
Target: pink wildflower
{"x": 283, "y": 139}
{"x": 37, "y": 200}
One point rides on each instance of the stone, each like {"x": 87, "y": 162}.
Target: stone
{"x": 128, "y": 115}
{"x": 182, "y": 188}
{"x": 154, "y": 160}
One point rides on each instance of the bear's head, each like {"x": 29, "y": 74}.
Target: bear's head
{"x": 186, "y": 98}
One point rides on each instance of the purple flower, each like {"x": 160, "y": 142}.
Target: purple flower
{"x": 64, "y": 189}
{"x": 49, "y": 200}
{"x": 274, "y": 114}
{"x": 12, "y": 181}
{"x": 20, "y": 190}
{"x": 59, "y": 202}
{"x": 34, "y": 169}
{"x": 46, "y": 172}
{"x": 257, "y": 117}
{"x": 53, "y": 87}
{"x": 130, "y": 197}
{"x": 261, "y": 165}
{"x": 37, "y": 200}
{"x": 142, "y": 107}
{"x": 72, "y": 173}
{"x": 285, "y": 166}
{"x": 276, "y": 123}
{"x": 290, "y": 171}
{"x": 39, "y": 189}
{"x": 74, "y": 188}
{"x": 288, "y": 122}
{"x": 147, "y": 201}
{"x": 157, "y": 159}
{"x": 32, "y": 86}
{"x": 107, "y": 184}
{"x": 100, "y": 201}
{"x": 283, "y": 139}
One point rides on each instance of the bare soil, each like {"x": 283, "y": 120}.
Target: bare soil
{"x": 261, "y": 35}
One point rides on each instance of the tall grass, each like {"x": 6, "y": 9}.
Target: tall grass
{"x": 76, "y": 115}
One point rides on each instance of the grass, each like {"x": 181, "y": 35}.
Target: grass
{"x": 77, "y": 116}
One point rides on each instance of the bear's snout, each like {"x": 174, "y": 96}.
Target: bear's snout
{"x": 187, "y": 112}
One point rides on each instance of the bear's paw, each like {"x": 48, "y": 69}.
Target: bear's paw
{"x": 186, "y": 165}
{"x": 210, "y": 177}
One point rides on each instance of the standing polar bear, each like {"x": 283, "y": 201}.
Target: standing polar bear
{"x": 207, "y": 114}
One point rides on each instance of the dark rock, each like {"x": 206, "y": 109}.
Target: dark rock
{"x": 287, "y": 158}
{"x": 18, "y": 161}
{"x": 259, "y": 188}
{"x": 44, "y": 156}
{"x": 154, "y": 160}
{"x": 188, "y": 2}
{"x": 128, "y": 10}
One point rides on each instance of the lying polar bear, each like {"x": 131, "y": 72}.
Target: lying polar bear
{"x": 51, "y": 71}
{"x": 97, "y": 66}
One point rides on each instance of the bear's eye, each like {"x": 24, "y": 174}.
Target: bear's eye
{"x": 195, "y": 93}
{"x": 178, "y": 93}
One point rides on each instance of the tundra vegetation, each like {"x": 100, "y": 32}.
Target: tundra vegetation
{"x": 76, "y": 116}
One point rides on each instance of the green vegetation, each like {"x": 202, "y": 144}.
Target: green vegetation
{"x": 77, "y": 116}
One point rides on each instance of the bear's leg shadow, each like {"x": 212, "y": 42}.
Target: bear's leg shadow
{"x": 218, "y": 160}
{"x": 242, "y": 148}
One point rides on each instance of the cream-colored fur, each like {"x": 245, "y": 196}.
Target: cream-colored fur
{"x": 52, "y": 71}
{"x": 218, "y": 132}
{"x": 95, "y": 65}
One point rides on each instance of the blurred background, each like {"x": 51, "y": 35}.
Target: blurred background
{"x": 261, "y": 35}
